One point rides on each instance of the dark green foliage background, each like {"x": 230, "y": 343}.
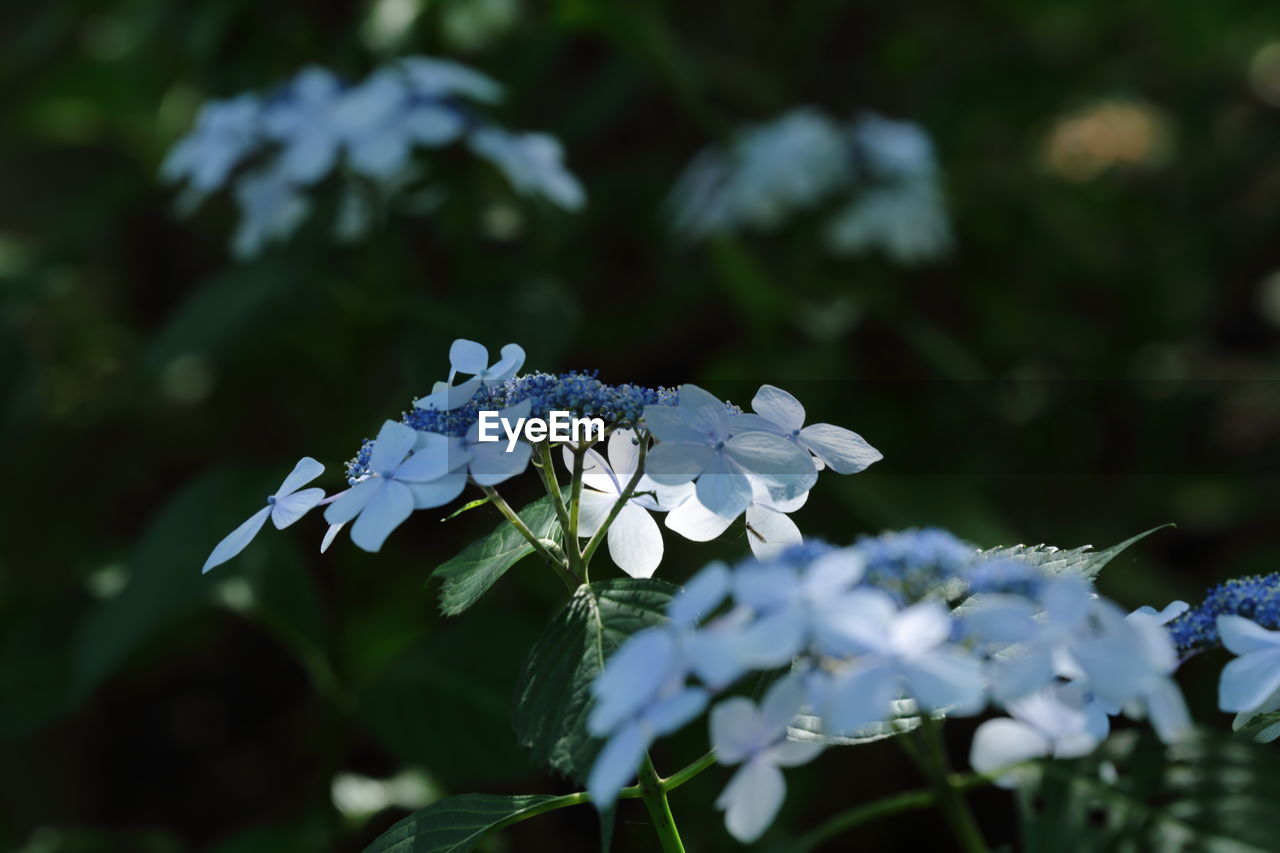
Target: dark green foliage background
{"x": 1091, "y": 362}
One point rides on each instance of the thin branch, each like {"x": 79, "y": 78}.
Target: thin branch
{"x": 518, "y": 523}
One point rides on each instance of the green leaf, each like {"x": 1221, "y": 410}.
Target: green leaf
{"x": 466, "y": 506}
{"x": 1210, "y": 793}
{"x": 553, "y": 695}
{"x": 1082, "y": 561}
{"x": 906, "y": 718}
{"x": 470, "y": 574}
{"x": 1257, "y": 724}
{"x": 456, "y": 824}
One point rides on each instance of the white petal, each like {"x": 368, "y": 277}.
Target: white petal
{"x": 844, "y": 450}
{"x": 778, "y": 406}
{"x": 695, "y": 522}
{"x": 624, "y": 453}
{"x": 635, "y": 542}
{"x": 236, "y": 540}
{"x": 392, "y": 445}
{"x": 386, "y": 510}
{"x": 771, "y": 532}
{"x": 793, "y": 753}
{"x": 468, "y": 356}
{"x": 704, "y": 413}
{"x": 593, "y": 509}
{"x": 751, "y": 799}
{"x": 330, "y": 535}
{"x": 1242, "y": 636}
{"x": 290, "y": 508}
{"x": 1002, "y": 743}
{"x": 304, "y": 472}
{"x": 832, "y": 574}
{"x": 597, "y": 473}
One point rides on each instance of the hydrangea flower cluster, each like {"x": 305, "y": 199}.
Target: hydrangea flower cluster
{"x": 881, "y": 172}
{"x": 1241, "y": 615}
{"x": 272, "y": 150}
{"x": 916, "y": 615}
{"x": 680, "y": 452}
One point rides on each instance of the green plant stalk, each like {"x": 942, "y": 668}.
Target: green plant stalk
{"x": 906, "y": 801}
{"x": 675, "y": 780}
{"x": 546, "y": 469}
{"x": 575, "y": 500}
{"x": 518, "y": 523}
{"x": 931, "y": 757}
{"x": 627, "y": 492}
{"x": 655, "y": 800}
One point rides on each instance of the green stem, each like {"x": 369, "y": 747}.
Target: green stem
{"x": 675, "y": 780}
{"x": 518, "y": 523}
{"x": 575, "y": 498}
{"x": 547, "y": 470}
{"x": 655, "y": 800}
{"x": 627, "y": 492}
{"x": 907, "y": 801}
{"x": 932, "y": 759}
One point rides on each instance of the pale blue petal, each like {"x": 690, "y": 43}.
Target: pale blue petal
{"x": 832, "y": 574}
{"x": 433, "y": 456}
{"x": 329, "y": 536}
{"x": 765, "y": 587}
{"x": 631, "y": 679}
{"x": 616, "y": 765}
{"x": 1066, "y": 600}
{"x": 704, "y": 592}
{"x": 704, "y": 413}
{"x": 462, "y": 393}
{"x": 843, "y": 450}
{"x": 437, "y": 492}
{"x": 695, "y": 522}
{"x": 387, "y": 509}
{"x": 793, "y": 753}
{"x": 919, "y": 628}
{"x": 304, "y": 472}
{"x": 1114, "y": 668}
{"x": 715, "y": 655}
{"x": 392, "y": 445}
{"x": 287, "y": 510}
{"x": 1248, "y": 681}
{"x": 492, "y": 464}
{"x": 1168, "y": 711}
{"x": 468, "y": 356}
{"x": 780, "y": 705}
{"x": 736, "y": 729}
{"x": 350, "y": 502}
{"x": 635, "y": 542}
{"x": 1022, "y": 675}
{"x": 751, "y": 799}
{"x": 667, "y": 423}
{"x": 237, "y": 539}
{"x": 774, "y": 639}
{"x": 674, "y": 462}
{"x": 779, "y": 407}
{"x": 511, "y": 361}
{"x": 946, "y": 678}
{"x": 783, "y": 466}
{"x": 1242, "y": 636}
{"x": 861, "y": 695}
{"x": 1002, "y": 619}
{"x": 673, "y": 712}
{"x": 861, "y": 618}
{"x": 747, "y": 422}
{"x": 723, "y": 488}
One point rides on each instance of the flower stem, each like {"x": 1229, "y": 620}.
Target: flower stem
{"x": 655, "y": 800}
{"x": 906, "y": 801}
{"x": 948, "y": 795}
{"x": 547, "y": 470}
{"x": 675, "y": 780}
{"x": 538, "y": 546}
